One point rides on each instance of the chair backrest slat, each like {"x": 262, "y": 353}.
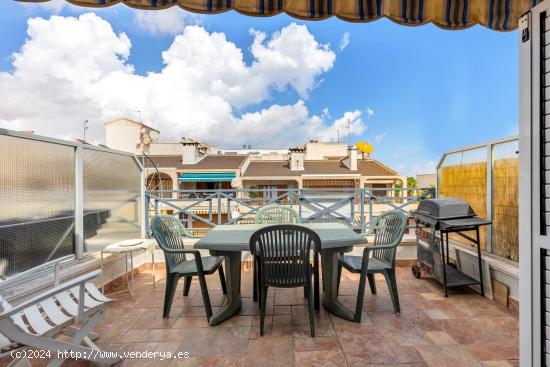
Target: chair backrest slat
{"x": 284, "y": 254}
{"x": 389, "y": 231}
{"x": 276, "y": 214}
{"x": 169, "y": 232}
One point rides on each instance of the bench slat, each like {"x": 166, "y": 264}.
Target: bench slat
{"x": 95, "y": 293}
{"x": 36, "y": 320}
{"x": 51, "y": 309}
{"x": 4, "y": 342}
{"x": 67, "y": 302}
{"x": 89, "y": 302}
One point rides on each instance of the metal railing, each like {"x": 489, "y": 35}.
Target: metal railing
{"x": 201, "y": 210}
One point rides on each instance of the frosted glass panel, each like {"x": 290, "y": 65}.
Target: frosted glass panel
{"x": 111, "y": 199}
{"x": 37, "y": 196}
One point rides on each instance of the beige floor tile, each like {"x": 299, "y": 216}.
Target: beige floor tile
{"x": 441, "y": 338}
{"x": 431, "y": 330}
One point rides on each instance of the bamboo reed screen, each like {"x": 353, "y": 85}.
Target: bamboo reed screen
{"x": 467, "y": 182}
{"x": 505, "y": 200}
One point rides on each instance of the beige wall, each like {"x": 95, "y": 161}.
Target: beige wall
{"x": 165, "y": 149}
{"x": 295, "y": 181}
{"x": 426, "y": 180}
{"x": 123, "y": 135}
{"x": 290, "y": 184}
{"x": 316, "y": 151}
{"x": 270, "y": 156}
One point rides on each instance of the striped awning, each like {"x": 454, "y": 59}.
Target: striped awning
{"x": 328, "y": 183}
{"x": 207, "y": 177}
{"x": 501, "y": 15}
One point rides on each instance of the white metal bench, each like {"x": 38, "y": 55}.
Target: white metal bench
{"x": 71, "y": 309}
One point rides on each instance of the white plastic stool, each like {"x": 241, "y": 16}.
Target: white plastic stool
{"x": 128, "y": 247}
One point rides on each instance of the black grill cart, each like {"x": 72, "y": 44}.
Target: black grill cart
{"x": 435, "y": 220}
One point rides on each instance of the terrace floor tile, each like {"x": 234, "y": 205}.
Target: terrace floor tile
{"x": 431, "y": 330}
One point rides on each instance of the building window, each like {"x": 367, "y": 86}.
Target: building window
{"x": 160, "y": 181}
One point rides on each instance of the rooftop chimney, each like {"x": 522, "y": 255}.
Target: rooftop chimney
{"x": 190, "y": 152}
{"x": 351, "y": 160}
{"x": 297, "y": 155}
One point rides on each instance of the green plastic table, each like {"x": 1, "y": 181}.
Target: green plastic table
{"x": 230, "y": 240}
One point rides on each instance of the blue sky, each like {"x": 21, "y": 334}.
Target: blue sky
{"x": 429, "y": 89}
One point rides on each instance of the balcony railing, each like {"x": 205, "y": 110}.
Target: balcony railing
{"x": 201, "y": 210}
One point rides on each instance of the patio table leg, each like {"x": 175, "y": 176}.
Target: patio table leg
{"x": 329, "y": 261}
{"x": 316, "y": 280}
{"x": 233, "y": 282}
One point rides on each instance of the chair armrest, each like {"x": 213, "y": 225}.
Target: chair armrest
{"x": 191, "y": 236}
{"x": 181, "y": 251}
{"x": 371, "y": 230}
{"x": 78, "y": 281}
{"x": 195, "y": 253}
{"x": 368, "y": 249}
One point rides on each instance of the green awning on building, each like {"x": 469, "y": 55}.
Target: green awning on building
{"x": 207, "y": 177}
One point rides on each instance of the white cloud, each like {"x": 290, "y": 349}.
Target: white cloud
{"x": 344, "y": 42}
{"x": 53, "y": 6}
{"x": 169, "y": 21}
{"x": 417, "y": 169}
{"x": 378, "y": 138}
{"x": 73, "y": 69}
{"x": 370, "y": 112}
{"x": 291, "y": 56}
{"x": 57, "y": 6}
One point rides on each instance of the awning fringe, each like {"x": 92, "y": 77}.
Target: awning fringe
{"x": 500, "y": 15}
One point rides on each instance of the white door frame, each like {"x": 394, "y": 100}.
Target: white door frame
{"x": 530, "y": 238}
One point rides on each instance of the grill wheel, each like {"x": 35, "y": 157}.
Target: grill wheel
{"x": 416, "y": 271}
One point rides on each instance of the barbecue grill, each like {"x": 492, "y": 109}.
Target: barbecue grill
{"x": 435, "y": 219}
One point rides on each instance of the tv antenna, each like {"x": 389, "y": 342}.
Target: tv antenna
{"x": 85, "y": 127}
{"x": 140, "y": 119}
{"x": 348, "y": 126}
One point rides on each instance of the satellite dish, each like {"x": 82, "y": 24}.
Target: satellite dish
{"x": 143, "y": 130}
{"x": 235, "y": 183}
{"x": 153, "y": 134}
{"x": 367, "y": 148}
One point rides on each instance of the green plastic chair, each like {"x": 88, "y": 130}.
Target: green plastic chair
{"x": 168, "y": 231}
{"x": 284, "y": 254}
{"x": 277, "y": 214}
{"x": 185, "y": 232}
{"x": 272, "y": 214}
{"x": 388, "y": 232}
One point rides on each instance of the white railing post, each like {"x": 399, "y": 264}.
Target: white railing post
{"x": 489, "y": 205}
{"x": 362, "y": 208}
{"x": 371, "y": 195}
{"x": 219, "y": 194}
{"x": 143, "y": 205}
{"x": 79, "y": 201}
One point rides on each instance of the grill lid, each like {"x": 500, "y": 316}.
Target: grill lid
{"x": 447, "y": 208}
